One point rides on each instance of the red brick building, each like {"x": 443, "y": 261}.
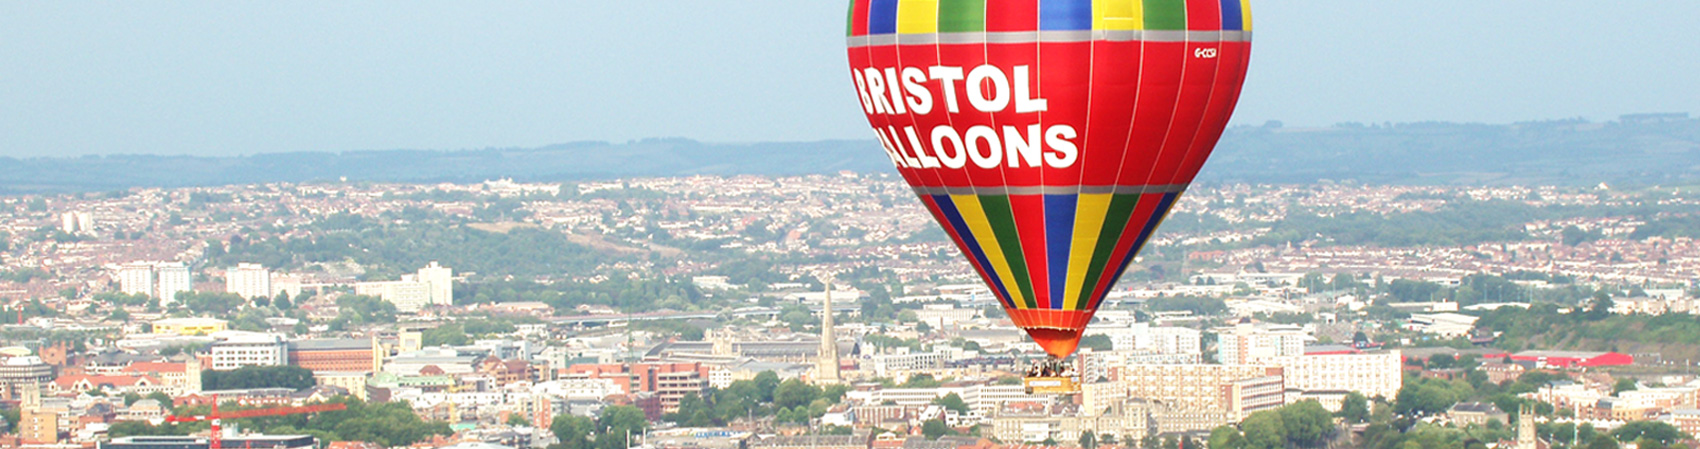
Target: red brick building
{"x": 336, "y": 355}
{"x": 670, "y": 382}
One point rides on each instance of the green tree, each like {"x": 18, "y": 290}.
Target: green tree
{"x": 1622, "y": 385}
{"x": 164, "y": 399}
{"x": 1355, "y": 408}
{"x": 1098, "y": 342}
{"x": 1088, "y": 440}
{"x": 765, "y": 384}
{"x": 572, "y": 431}
{"x": 1264, "y": 430}
{"x": 934, "y": 428}
{"x": 1602, "y": 442}
{"x": 1651, "y": 430}
{"x": 248, "y": 377}
{"x": 518, "y": 420}
{"x": 1226, "y": 437}
{"x": 1306, "y": 423}
{"x": 617, "y": 423}
{"x": 952, "y": 402}
{"x": 795, "y": 393}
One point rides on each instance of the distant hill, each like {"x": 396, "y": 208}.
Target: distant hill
{"x": 1640, "y": 149}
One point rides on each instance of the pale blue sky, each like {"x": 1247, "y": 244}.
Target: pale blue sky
{"x": 226, "y": 78}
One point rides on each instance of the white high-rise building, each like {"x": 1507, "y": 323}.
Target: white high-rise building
{"x": 75, "y": 222}
{"x": 162, "y": 280}
{"x": 440, "y": 284}
{"x": 248, "y": 280}
{"x": 1253, "y": 343}
{"x": 136, "y": 278}
{"x": 170, "y": 279}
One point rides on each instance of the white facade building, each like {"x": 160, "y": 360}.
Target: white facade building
{"x": 1157, "y": 340}
{"x": 172, "y": 278}
{"x": 136, "y": 278}
{"x": 432, "y": 286}
{"x": 439, "y": 284}
{"x": 408, "y": 295}
{"x": 1254, "y": 343}
{"x": 161, "y": 280}
{"x": 239, "y": 349}
{"x": 1371, "y": 373}
{"x": 248, "y": 280}
{"x": 899, "y": 365}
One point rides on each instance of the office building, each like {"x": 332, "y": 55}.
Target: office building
{"x": 239, "y": 349}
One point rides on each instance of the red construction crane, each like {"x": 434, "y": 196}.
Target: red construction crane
{"x": 215, "y": 416}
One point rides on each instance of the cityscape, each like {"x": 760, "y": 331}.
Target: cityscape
{"x": 865, "y": 224}
{"x": 692, "y": 307}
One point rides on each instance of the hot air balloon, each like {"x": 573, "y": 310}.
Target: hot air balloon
{"x": 1049, "y": 137}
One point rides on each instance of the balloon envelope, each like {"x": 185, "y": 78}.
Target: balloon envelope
{"x": 1049, "y": 137}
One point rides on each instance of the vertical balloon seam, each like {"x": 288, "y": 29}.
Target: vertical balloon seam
{"x": 969, "y": 208}
{"x": 1165, "y": 204}
{"x": 1029, "y": 214}
{"x": 1008, "y": 233}
{"x": 1190, "y": 143}
{"x": 1020, "y": 287}
{"x": 1119, "y": 216}
{"x": 959, "y": 228}
{"x": 1090, "y": 213}
{"x": 1059, "y": 210}
{"x": 1197, "y": 149}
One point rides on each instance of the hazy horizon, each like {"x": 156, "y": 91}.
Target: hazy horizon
{"x": 217, "y": 79}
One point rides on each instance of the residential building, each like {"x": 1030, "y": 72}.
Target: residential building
{"x": 136, "y": 278}
{"x": 431, "y": 286}
{"x": 1368, "y": 373}
{"x": 1156, "y": 340}
{"x": 354, "y": 382}
{"x": 1252, "y": 343}
{"x": 170, "y": 279}
{"x": 439, "y": 284}
{"x": 248, "y": 280}
{"x": 1233, "y": 390}
{"x": 162, "y": 280}
{"x": 408, "y": 294}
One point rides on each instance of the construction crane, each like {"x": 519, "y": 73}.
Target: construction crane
{"x": 217, "y": 441}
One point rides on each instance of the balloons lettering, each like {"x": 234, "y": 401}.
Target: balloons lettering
{"x": 1049, "y": 137}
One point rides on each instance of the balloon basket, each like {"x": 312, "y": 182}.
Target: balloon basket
{"x": 1051, "y": 385}
{"x": 1051, "y": 377}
